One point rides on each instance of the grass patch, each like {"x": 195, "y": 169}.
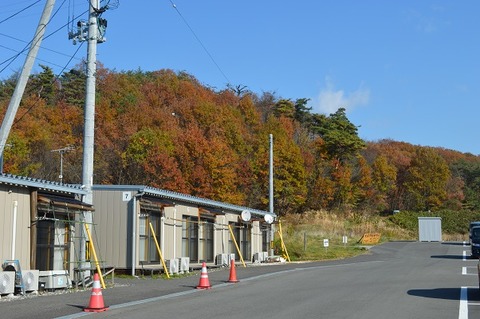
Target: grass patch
{"x": 304, "y": 234}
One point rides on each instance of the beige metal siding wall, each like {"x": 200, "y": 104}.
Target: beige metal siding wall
{"x": 256, "y": 238}
{"x": 111, "y": 219}
{"x": 169, "y": 223}
{"x": 8, "y": 195}
{"x": 221, "y": 236}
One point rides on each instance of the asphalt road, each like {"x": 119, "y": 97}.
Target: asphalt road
{"x": 395, "y": 280}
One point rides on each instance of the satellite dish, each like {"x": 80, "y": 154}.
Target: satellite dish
{"x": 268, "y": 219}
{"x": 246, "y": 215}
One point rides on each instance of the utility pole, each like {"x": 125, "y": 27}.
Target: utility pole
{"x": 88, "y": 32}
{"x": 24, "y": 75}
{"x": 89, "y": 113}
{"x": 271, "y": 174}
{"x": 62, "y": 151}
{"x": 272, "y": 232}
{"x": 93, "y": 32}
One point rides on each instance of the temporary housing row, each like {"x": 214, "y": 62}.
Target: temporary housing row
{"x": 43, "y": 227}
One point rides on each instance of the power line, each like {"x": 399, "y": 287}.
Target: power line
{"x": 199, "y": 41}
{"x": 13, "y": 58}
{"x": 20, "y": 40}
{"x": 39, "y": 59}
{"x": 8, "y": 18}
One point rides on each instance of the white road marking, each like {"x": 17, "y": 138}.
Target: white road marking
{"x": 464, "y": 270}
{"x": 464, "y": 255}
{"x": 463, "y": 309}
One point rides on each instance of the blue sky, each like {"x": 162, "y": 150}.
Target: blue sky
{"x": 404, "y": 70}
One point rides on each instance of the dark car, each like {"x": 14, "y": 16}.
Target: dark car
{"x": 475, "y": 241}
{"x": 472, "y": 224}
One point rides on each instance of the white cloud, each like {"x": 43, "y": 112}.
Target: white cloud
{"x": 330, "y": 99}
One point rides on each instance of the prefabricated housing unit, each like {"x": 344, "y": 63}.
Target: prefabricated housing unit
{"x": 185, "y": 227}
{"x": 41, "y": 223}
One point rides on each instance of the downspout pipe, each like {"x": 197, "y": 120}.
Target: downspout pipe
{"x": 14, "y": 231}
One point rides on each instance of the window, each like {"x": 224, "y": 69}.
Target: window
{"x": 147, "y": 248}
{"x": 197, "y": 238}
{"x": 206, "y": 239}
{"x": 242, "y": 233}
{"x": 190, "y": 238}
{"x": 266, "y": 238}
{"x": 245, "y": 242}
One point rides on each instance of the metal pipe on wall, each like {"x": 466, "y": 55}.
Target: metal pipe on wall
{"x": 14, "y": 232}
{"x": 175, "y": 231}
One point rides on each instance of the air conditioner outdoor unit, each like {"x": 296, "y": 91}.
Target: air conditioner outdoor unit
{"x": 258, "y": 258}
{"x": 184, "y": 264}
{"x": 265, "y": 255}
{"x": 55, "y": 279}
{"x": 7, "y": 282}
{"x": 172, "y": 265}
{"x": 30, "y": 279}
{"x": 223, "y": 259}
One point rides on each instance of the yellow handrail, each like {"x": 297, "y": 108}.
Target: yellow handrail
{"x": 236, "y": 245}
{"x": 284, "y": 247}
{"x": 97, "y": 264}
{"x": 159, "y": 251}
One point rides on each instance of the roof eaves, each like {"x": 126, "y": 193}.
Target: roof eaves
{"x": 24, "y": 181}
{"x": 202, "y": 201}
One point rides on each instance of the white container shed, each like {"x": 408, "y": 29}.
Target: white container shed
{"x": 430, "y": 229}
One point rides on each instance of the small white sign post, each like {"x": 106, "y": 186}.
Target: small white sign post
{"x": 325, "y": 244}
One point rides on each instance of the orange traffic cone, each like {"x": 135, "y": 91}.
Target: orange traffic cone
{"x": 96, "y": 298}
{"x": 233, "y": 272}
{"x": 204, "y": 283}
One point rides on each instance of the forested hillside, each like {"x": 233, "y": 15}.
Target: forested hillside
{"x": 167, "y": 130}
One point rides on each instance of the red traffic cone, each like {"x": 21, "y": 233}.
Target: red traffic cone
{"x": 233, "y": 272}
{"x": 204, "y": 283}
{"x": 96, "y": 298}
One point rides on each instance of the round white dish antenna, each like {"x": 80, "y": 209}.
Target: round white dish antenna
{"x": 246, "y": 215}
{"x": 268, "y": 219}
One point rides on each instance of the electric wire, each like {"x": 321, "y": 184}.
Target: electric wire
{"x": 13, "y": 58}
{"x": 20, "y": 40}
{"x": 39, "y": 59}
{"x": 24, "y": 9}
{"x": 56, "y": 77}
{"x": 199, "y": 41}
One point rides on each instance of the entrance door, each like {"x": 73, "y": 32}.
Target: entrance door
{"x": 190, "y": 238}
{"x": 148, "y": 253}
{"x": 52, "y": 245}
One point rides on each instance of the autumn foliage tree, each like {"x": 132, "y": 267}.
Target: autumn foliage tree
{"x": 426, "y": 180}
{"x": 165, "y": 129}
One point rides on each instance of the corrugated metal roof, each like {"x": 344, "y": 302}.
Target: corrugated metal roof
{"x": 41, "y": 184}
{"x": 152, "y": 191}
